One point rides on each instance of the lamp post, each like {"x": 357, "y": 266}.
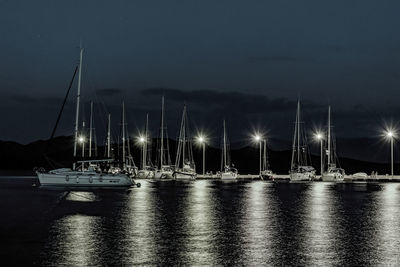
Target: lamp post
{"x": 320, "y": 138}
{"x": 142, "y": 141}
{"x": 202, "y": 141}
{"x": 82, "y": 141}
{"x": 258, "y": 139}
{"x": 390, "y": 135}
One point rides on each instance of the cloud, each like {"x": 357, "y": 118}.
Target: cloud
{"x": 31, "y": 100}
{"x": 109, "y": 91}
{"x": 234, "y": 101}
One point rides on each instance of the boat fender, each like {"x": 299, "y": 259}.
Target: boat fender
{"x": 67, "y": 178}
{"x": 77, "y": 179}
{"x": 101, "y": 178}
{"x": 90, "y": 179}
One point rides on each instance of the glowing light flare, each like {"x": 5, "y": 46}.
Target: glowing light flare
{"x": 257, "y": 137}
{"x": 201, "y": 139}
{"x": 318, "y": 136}
{"x": 389, "y": 134}
{"x": 81, "y": 139}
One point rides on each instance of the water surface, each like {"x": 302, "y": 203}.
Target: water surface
{"x": 203, "y": 223}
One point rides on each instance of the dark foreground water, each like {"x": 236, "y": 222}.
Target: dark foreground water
{"x": 202, "y": 223}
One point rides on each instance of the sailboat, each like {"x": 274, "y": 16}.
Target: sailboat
{"x": 146, "y": 171}
{"x": 227, "y": 172}
{"x": 266, "y": 173}
{"x": 332, "y": 172}
{"x": 79, "y": 176}
{"x": 128, "y": 165}
{"x": 164, "y": 171}
{"x": 299, "y": 170}
{"x": 184, "y": 165}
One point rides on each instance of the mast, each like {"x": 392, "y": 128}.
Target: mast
{"x": 162, "y": 132}
{"x": 123, "y": 136}
{"x": 224, "y": 145}
{"x": 109, "y": 136}
{"x": 144, "y": 152}
{"x": 294, "y": 143}
{"x": 183, "y": 134}
{"x": 329, "y": 136}
{"x": 180, "y": 141}
{"x": 147, "y": 138}
{"x": 265, "y": 167}
{"x": 90, "y": 129}
{"x": 298, "y": 133}
{"x": 78, "y": 96}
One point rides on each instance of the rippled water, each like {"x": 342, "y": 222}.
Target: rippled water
{"x": 204, "y": 223}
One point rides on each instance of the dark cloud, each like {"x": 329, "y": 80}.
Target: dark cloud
{"x": 30, "y": 100}
{"x": 22, "y": 99}
{"x": 235, "y": 101}
{"x": 109, "y": 91}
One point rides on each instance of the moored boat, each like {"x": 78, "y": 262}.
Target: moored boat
{"x": 300, "y": 170}
{"x": 81, "y": 176}
{"x": 185, "y": 168}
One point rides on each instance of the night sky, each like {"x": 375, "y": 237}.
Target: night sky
{"x": 246, "y": 61}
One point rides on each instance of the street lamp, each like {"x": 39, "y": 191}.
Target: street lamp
{"x": 390, "y": 134}
{"x": 142, "y": 141}
{"x": 202, "y": 141}
{"x": 81, "y": 140}
{"x": 319, "y": 137}
{"x": 258, "y": 139}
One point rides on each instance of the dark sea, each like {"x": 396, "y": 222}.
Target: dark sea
{"x": 202, "y": 223}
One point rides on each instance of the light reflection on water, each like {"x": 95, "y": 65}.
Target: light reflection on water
{"x": 212, "y": 223}
{"x": 388, "y": 219}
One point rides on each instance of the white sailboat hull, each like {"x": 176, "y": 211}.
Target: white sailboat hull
{"x": 79, "y": 179}
{"x": 267, "y": 175}
{"x": 182, "y": 175}
{"x": 145, "y": 174}
{"x": 301, "y": 176}
{"x": 228, "y": 176}
{"x": 160, "y": 175}
{"x": 332, "y": 177}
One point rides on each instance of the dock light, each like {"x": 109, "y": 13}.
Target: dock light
{"x": 201, "y": 139}
{"x": 390, "y": 134}
{"x": 82, "y": 140}
{"x": 320, "y": 137}
{"x": 142, "y": 139}
{"x": 258, "y": 138}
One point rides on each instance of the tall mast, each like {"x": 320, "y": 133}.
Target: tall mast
{"x": 146, "y": 138}
{"x": 224, "y": 145}
{"x": 78, "y": 96}
{"x": 180, "y": 141}
{"x": 183, "y": 134}
{"x": 265, "y": 156}
{"x": 109, "y": 136}
{"x": 123, "y": 136}
{"x": 329, "y": 136}
{"x": 294, "y": 142}
{"x": 162, "y": 132}
{"x": 298, "y": 133}
{"x": 91, "y": 129}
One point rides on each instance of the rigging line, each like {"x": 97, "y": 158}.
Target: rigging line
{"x": 58, "y": 118}
{"x": 63, "y": 104}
